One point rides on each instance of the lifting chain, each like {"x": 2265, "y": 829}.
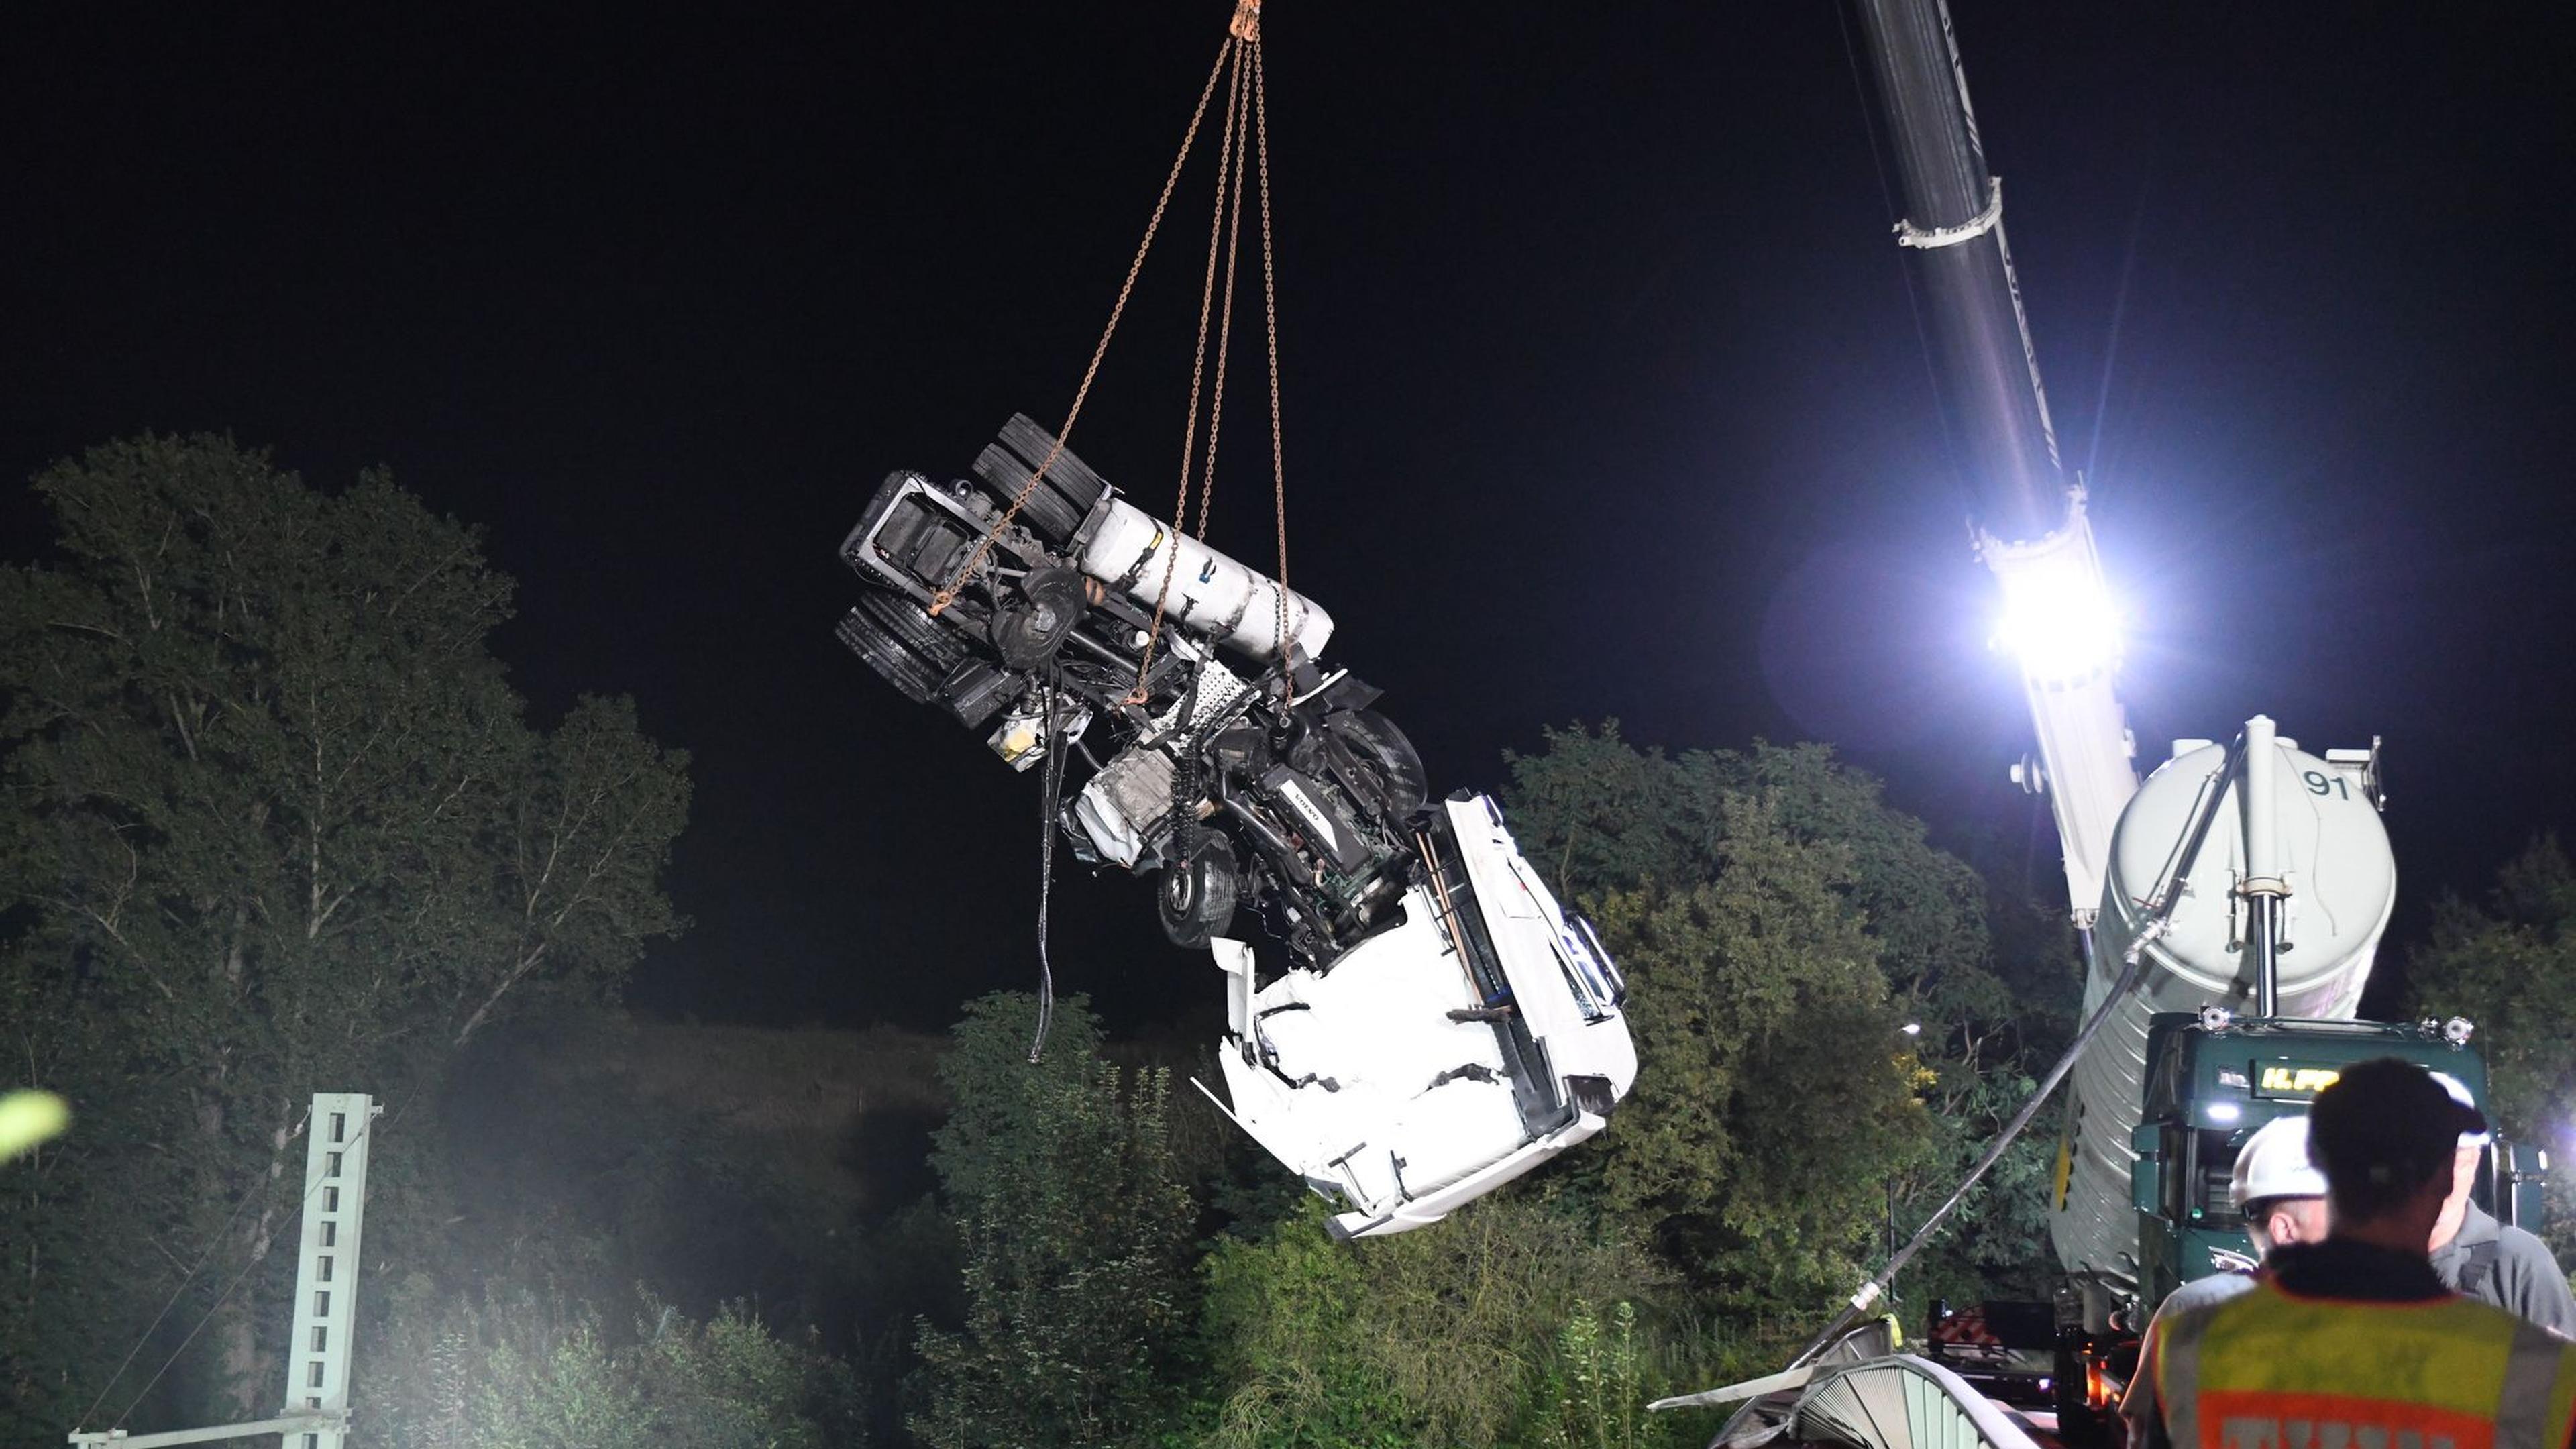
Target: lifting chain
{"x": 948, "y": 591}
{"x": 1244, "y": 146}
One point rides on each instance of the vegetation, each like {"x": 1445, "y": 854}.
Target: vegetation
{"x": 1059, "y": 1177}
{"x": 275, "y": 823}
{"x": 520, "y": 1373}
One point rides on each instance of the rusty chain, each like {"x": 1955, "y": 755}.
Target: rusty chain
{"x": 948, "y": 591}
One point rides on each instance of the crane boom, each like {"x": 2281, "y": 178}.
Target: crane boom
{"x": 2032, "y": 528}
{"x": 1961, "y": 268}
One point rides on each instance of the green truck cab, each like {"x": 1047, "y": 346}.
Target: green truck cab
{"x": 2213, "y": 1078}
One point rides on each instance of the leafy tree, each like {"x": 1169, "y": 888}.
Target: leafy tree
{"x": 276, "y": 822}
{"x": 1782, "y": 1094}
{"x": 1779, "y": 922}
{"x": 1059, "y": 1176}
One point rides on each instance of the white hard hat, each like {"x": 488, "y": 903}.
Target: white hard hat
{"x": 2274, "y": 1163}
{"x": 2459, "y": 1090}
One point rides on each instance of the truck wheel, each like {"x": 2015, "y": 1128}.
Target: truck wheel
{"x": 1070, "y": 476}
{"x": 1196, "y": 898}
{"x": 916, "y": 678}
{"x": 937, "y": 644}
{"x": 1048, "y": 513}
{"x": 1394, "y": 784}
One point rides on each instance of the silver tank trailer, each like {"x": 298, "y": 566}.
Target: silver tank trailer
{"x": 2330, "y": 852}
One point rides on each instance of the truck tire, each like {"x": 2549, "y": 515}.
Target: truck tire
{"x": 1048, "y": 513}
{"x": 1198, "y": 892}
{"x": 936, "y": 643}
{"x": 914, "y": 677}
{"x": 1070, "y": 477}
{"x": 1391, "y": 768}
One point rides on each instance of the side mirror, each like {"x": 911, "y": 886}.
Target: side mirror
{"x": 2521, "y": 1185}
{"x": 2146, "y": 1167}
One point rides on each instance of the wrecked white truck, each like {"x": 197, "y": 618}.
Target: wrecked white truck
{"x": 1438, "y": 1025}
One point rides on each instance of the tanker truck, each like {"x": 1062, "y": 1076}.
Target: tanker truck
{"x": 2228, "y": 906}
{"x": 2248, "y": 883}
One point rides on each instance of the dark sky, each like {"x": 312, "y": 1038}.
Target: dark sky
{"x": 1603, "y": 397}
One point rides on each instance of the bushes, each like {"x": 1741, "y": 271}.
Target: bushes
{"x": 1509, "y": 1323}
{"x": 1059, "y": 1177}
{"x": 518, "y": 1372}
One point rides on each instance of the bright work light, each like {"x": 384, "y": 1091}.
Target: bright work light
{"x": 2058, "y": 619}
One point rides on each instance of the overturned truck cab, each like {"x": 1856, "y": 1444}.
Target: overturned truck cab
{"x": 1440, "y": 1025}
{"x": 1477, "y": 1035}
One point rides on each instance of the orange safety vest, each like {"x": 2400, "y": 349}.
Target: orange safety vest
{"x": 2272, "y": 1370}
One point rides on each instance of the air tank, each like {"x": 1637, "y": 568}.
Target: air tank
{"x": 2319, "y": 825}
{"x": 1130, "y": 551}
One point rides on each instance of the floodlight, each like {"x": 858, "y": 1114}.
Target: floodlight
{"x": 2058, "y": 618}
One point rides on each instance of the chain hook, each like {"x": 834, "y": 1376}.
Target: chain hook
{"x": 1246, "y": 25}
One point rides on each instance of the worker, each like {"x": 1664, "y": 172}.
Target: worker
{"x": 2282, "y": 1198}
{"x": 2478, "y": 1256}
{"x": 2354, "y": 1340}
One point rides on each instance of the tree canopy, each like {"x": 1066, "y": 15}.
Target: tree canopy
{"x": 277, "y": 823}
{"x": 1780, "y": 924}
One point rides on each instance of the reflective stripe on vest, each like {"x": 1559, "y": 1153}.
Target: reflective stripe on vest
{"x": 2267, "y": 1370}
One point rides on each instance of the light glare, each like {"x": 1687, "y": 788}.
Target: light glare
{"x": 2058, "y": 619}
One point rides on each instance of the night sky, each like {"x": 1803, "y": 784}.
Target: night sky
{"x": 1603, "y": 394}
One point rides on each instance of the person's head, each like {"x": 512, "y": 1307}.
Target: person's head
{"x": 2280, "y": 1193}
{"x": 2464, "y": 1164}
{"x": 2386, "y": 1134}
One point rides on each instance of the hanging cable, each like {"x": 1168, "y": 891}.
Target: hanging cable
{"x": 186, "y": 1279}
{"x": 1244, "y": 149}
{"x": 1244, "y": 130}
{"x": 1051, "y": 782}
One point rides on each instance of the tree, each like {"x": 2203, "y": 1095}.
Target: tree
{"x": 1060, "y": 1179}
{"x": 1779, "y": 923}
{"x": 276, "y": 822}
{"x": 1782, "y": 1095}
